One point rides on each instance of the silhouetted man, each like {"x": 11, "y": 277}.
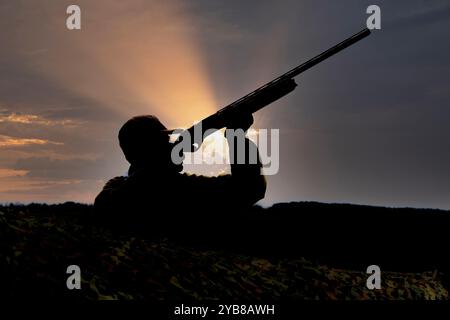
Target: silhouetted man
{"x": 157, "y": 197}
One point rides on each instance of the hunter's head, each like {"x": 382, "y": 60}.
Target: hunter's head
{"x": 145, "y": 141}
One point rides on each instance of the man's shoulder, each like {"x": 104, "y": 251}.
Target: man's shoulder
{"x": 115, "y": 182}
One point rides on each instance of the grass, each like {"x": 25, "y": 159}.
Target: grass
{"x": 38, "y": 243}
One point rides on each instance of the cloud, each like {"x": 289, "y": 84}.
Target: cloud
{"x": 59, "y": 169}
{"x": 7, "y": 142}
{"x": 130, "y": 57}
{"x": 420, "y": 16}
{"x": 21, "y": 189}
{"x": 25, "y": 186}
{"x": 6, "y": 173}
{"x": 34, "y": 119}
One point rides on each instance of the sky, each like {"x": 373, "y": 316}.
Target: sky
{"x": 367, "y": 126}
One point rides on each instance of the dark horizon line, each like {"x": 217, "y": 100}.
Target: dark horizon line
{"x": 25, "y": 204}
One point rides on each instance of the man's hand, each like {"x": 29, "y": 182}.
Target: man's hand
{"x": 241, "y": 121}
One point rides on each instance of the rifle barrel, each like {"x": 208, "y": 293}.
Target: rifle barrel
{"x": 326, "y": 54}
{"x": 267, "y": 93}
{"x": 304, "y": 66}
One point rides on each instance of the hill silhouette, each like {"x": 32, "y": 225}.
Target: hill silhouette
{"x": 299, "y": 250}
